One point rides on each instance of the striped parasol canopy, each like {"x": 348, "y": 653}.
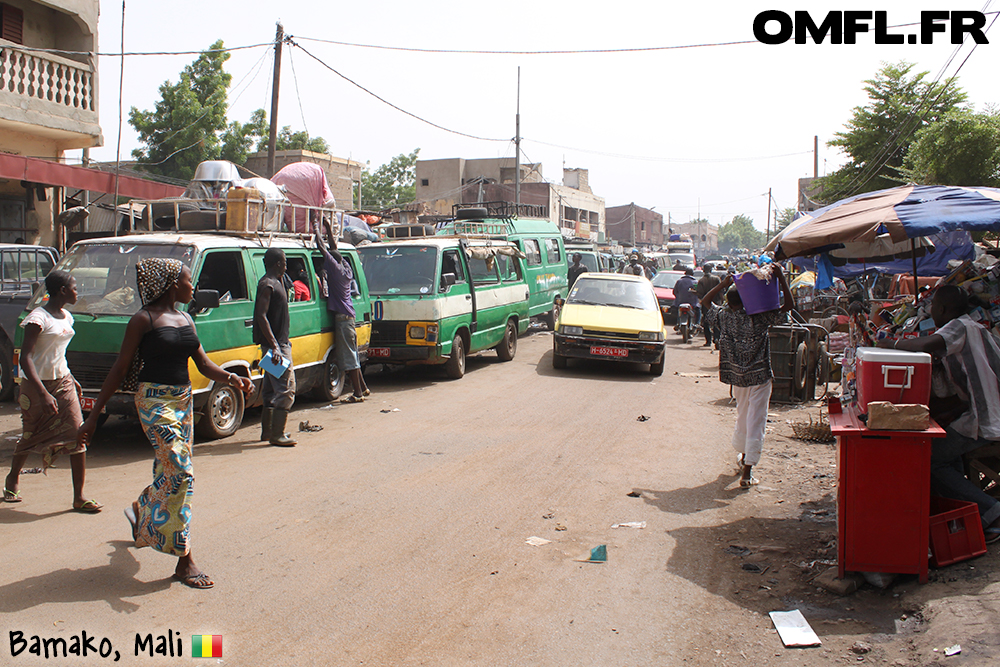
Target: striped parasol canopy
{"x": 889, "y": 222}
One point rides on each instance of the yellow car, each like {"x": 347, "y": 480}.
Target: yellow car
{"x": 610, "y": 316}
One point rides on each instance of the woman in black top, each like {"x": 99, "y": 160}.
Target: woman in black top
{"x": 165, "y": 338}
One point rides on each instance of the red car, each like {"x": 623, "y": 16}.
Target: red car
{"x": 663, "y": 285}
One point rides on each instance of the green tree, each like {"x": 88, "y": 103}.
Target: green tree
{"x": 293, "y": 141}
{"x": 963, "y": 148}
{"x": 740, "y": 233}
{"x": 392, "y": 185}
{"x": 878, "y": 135}
{"x": 783, "y": 219}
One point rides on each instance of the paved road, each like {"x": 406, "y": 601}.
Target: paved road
{"x": 398, "y": 537}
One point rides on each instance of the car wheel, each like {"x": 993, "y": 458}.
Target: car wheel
{"x": 656, "y": 369}
{"x": 332, "y": 383}
{"x": 558, "y": 361}
{"x": 508, "y": 346}
{"x": 6, "y": 373}
{"x": 222, "y": 414}
{"x": 455, "y": 366}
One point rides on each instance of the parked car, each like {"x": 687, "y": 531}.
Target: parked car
{"x": 610, "y": 316}
{"x": 22, "y": 271}
{"x": 225, "y": 270}
{"x": 663, "y": 287}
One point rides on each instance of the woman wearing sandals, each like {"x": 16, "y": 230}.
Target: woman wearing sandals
{"x": 164, "y": 338}
{"x": 50, "y": 400}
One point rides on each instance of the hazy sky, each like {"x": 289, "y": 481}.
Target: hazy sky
{"x": 683, "y": 130}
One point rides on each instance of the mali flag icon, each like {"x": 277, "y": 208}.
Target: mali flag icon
{"x": 206, "y": 646}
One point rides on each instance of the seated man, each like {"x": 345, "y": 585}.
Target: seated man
{"x": 965, "y": 398}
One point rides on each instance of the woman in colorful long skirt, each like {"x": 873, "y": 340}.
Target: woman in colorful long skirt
{"x": 50, "y": 399}
{"x": 164, "y": 339}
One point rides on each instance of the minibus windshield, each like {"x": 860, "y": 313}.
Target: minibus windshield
{"x": 391, "y": 269}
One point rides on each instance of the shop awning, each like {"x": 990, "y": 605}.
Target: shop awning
{"x": 46, "y": 172}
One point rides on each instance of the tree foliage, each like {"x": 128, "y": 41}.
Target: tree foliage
{"x": 878, "y": 135}
{"x": 189, "y": 123}
{"x": 392, "y": 185}
{"x": 740, "y": 233}
{"x": 963, "y": 148}
{"x": 783, "y": 219}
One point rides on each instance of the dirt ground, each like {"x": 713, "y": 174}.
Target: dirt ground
{"x": 397, "y": 535}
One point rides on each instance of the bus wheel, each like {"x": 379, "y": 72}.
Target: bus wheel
{"x": 455, "y": 366}
{"x": 332, "y": 383}
{"x": 223, "y": 413}
{"x": 508, "y": 346}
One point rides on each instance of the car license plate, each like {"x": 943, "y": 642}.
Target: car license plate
{"x": 378, "y": 352}
{"x": 602, "y": 351}
{"x": 87, "y": 404}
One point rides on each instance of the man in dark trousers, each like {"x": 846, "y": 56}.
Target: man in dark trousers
{"x": 705, "y": 285}
{"x": 576, "y": 268}
{"x": 270, "y": 331}
{"x": 339, "y": 278}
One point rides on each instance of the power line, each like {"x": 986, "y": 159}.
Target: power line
{"x": 652, "y": 158}
{"x": 385, "y": 101}
{"x": 119, "y": 54}
{"x": 525, "y": 53}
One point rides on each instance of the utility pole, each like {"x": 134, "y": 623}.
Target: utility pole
{"x": 517, "y": 148}
{"x": 767, "y": 234}
{"x": 272, "y": 137}
{"x": 632, "y": 225}
{"x": 815, "y": 156}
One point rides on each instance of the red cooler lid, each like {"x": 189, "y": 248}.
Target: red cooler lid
{"x": 888, "y": 356}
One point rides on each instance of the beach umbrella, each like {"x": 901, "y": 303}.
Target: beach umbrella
{"x": 892, "y": 222}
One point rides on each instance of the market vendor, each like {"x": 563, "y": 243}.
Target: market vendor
{"x": 965, "y": 398}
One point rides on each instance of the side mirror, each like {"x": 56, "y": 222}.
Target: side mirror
{"x": 204, "y": 299}
{"x": 559, "y": 301}
{"x": 447, "y": 280}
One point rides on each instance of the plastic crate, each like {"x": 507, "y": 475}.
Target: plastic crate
{"x": 956, "y": 532}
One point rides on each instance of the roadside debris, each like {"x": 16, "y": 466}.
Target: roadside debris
{"x": 794, "y": 629}
{"x": 309, "y": 428}
{"x": 387, "y": 410}
{"x": 549, "y": 515}
{"x": 953, "y": 650}
{"x": 860, "y": 648}
{"x": 634, "y": 494}
{"x": 693, "y": 375}
{"x": 537, "y": 541}
{"x": 559, "y": 526}
{"x": 642, "y": 418}
{"x": 630, "y": 524}
{"x": 32, "y": 471}
{"x": 598, "y": 554}
{"x": 737, "y": 550}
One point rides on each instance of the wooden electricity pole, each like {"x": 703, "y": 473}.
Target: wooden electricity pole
{"x": 272, "y": 137}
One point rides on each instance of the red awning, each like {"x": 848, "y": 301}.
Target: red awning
{"x": 46, "y": 172}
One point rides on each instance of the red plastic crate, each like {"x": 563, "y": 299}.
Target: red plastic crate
{"x": 956, "y": 532}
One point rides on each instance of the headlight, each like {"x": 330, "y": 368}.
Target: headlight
{"x": 651, "y": 335}
{"x": 571, "y": 331}
{"x": 417, "y": 332}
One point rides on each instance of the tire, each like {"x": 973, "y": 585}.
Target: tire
{"x": 455, "y": 366}
{"x": 223, "y": 413}
{"x": 823, "y": 375}
{"x": 550, "y": 318}
{"x": 800, "y": 369}
{"x": 558, "y": 361}
{"x": 656, "y": 370}
{"x": 685, "y": 335}
{"x": 332, "y": 383}
{"x": 508, "y": 346}
{"x": 6, "y": 373}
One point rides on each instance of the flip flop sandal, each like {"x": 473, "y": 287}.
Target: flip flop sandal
{"x": 353, "y": 399}
{"x": 747, "y": 483}
{"x": 366, "y": 393}
{"x": 89, "y": 507}
{"x": 201, "y": 581}
{"x": 131, "y": 515}
{"x": 992, "y": 535}
{"x": 12, "y": 496}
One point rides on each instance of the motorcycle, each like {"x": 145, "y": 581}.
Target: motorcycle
{"x": 685, "y": 319}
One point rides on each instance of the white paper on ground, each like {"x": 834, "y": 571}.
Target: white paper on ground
{"x": 793, "y": 628}
{"x": 537, "y": 541}
{"x": 630, "y": 524}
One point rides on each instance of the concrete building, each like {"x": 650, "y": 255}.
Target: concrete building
{"x": 572, "y": 205}
{"x": 344, "y": 175}
{"x": 635, "y": 226}
{"x": 48, "y": 105}
{"x": 704, "y": 236}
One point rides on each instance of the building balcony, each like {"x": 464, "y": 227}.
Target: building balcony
{"x": 48, "y": 96}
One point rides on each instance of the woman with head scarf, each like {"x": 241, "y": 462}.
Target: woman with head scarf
{"x": 164, "y": 338}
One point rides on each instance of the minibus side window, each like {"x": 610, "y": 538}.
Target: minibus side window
{"x": 510, "y": 270}
{"x": 483, "y": 273}
{"x": 533, "y": 252}
{"x": 552, "y": 254}
{"x": 452, "y": 263}
{"x": 223, "y": 272}
{"x": 295, "y": 269}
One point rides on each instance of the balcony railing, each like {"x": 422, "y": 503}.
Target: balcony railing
{"x": 47, "y": 77}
